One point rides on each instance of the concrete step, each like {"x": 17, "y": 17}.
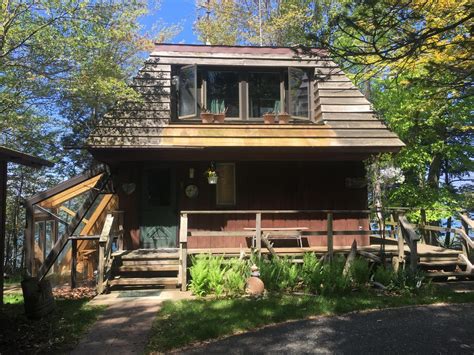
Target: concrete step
{"x": 144, "y": 281}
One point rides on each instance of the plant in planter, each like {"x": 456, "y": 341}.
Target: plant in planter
{"x": 206, "y": 115}
{"x": 269, "y": 117}
{"x": 219, "y": 110}
{"x": 211, "y": 174}
{"x": 283, "y": 118}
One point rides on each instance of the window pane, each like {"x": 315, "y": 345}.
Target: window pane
{"x": 298, "y": 92}
{"x": 226, "y": 184}
{"x": 223, "y": 91}
{"x": 187, "y": 91}
{"x": 264, "y": 93}
{"x": 158, "y": 185}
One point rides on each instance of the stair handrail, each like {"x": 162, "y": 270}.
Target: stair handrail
{"x": 411, "y": 238}
{"x": 106, "y": 240}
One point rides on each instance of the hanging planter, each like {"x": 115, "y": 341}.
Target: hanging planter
{"x": 211, "y": 174}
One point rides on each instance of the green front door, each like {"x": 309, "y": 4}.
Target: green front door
{"x": 159, "y": 223}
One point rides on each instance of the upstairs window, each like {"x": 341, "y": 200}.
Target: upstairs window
{"x": 244, "y": 93}
{"x": 298, "y": 88}
{"x": 187, "y": 92}
{"x": 264, "y": 93}
{"x": 222, "y": 91}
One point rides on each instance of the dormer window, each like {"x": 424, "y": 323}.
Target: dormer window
{"x": 245, "y": 93}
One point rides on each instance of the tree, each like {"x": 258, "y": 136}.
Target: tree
{"x": 63, "y": 63}
{"x": 282, "y": 22}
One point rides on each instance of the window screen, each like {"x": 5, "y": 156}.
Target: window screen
{"x": 226, "y": 184}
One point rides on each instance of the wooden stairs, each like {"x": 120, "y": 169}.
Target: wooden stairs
{"x": 145, "y": 268}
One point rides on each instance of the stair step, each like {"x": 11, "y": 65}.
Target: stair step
{"x": 154, "y": 256}
{"x": 131, "y": 268}
{"x": 144, "y": 281}
{"x": 462, "y": 274}
{"x": 151, "y": 262}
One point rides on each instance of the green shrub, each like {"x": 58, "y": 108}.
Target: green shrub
{"x": 360, "y": 272}
{"x": 332, "y": 279}
{"x": 406, "y": 280}
{"x": 215, "y": 275}
{"x": 383, "y": 276}
{"x": 279, "y": 274}
{"x": 199, "y": 284}
{"x": 311, "y": 273}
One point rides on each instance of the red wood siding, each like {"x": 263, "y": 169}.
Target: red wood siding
{"x": 262, "y": 186}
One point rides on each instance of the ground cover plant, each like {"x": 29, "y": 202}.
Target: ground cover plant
{"x": 57, "y": 332}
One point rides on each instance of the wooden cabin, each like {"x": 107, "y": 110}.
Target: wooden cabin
{"x": 278, "y": 177}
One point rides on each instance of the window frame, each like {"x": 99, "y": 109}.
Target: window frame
{"x": 244, "y": 114}
{"x": 196, "y": 111}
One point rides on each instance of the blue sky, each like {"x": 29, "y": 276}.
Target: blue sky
{"x": 181, "y": 12}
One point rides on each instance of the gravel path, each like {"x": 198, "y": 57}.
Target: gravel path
{"x": 436, "y": 329}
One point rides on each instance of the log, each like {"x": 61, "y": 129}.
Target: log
{"x": 38, "y": 297}
{"x": 350, "y": 258}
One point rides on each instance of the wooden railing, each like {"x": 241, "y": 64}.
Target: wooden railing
{"x": 257, "y": 233}
{"x": 111, "y": 231}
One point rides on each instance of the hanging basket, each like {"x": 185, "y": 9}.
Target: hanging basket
{"x": 212, "y": 180}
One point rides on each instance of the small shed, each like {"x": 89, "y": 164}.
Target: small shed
{"x": 10, "y": 155}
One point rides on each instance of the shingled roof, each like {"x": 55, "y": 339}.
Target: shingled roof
{"x": 342, "y": 118}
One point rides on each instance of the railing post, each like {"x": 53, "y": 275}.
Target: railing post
{"x": 73, "y": 263}
{"x": 183, "y": 251}
{"x": 258, "y": 232}
{"x": 29, "y": 240}
{"x": 426, "y": 239}
{"x": 401, "y": 246}
{"x": 330, "y": 236}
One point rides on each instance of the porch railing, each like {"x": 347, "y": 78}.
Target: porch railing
{"x": 184, "y": 231}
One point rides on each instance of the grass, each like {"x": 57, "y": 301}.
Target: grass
{"x": 185, "y": 322}
{"x": 57, "y": 332}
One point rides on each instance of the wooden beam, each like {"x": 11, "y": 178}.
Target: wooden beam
{"x": 3, "y": 215}
{"x": 330, "y": 238}
{"x": 258, "y": 232}
{"x": 73, "y": 263}
{"x": 29, "y": 239}
{"x": 96, "y": 214}
{"x": 71, "y": 213}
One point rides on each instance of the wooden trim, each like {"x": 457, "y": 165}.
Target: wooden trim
{"x": 189, "y": 212}
{"x": 97, "y": 213}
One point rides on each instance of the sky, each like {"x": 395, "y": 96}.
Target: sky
{"x": 182, "y": 12}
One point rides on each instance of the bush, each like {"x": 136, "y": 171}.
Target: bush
{"x": 215, "y": 275}
{"x": 360, "y": 272}
{"x": 333, "y": 281}
{"x": 280, "y": 274}
{"x": 383, "y": 276}
{"x": 406, "y": 280}
{"x": 311, "y": 273}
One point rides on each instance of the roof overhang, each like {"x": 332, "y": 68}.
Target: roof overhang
{"x": 14, "y": 156}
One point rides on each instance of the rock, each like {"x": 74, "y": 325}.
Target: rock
{"x": 254, "y": 286}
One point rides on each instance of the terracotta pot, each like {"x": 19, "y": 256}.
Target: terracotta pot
{"x": 284, "y": 119}
{"x": 269, "y": 118}
{"x": 207, "y": 117}
{"x": 219, "y": 118}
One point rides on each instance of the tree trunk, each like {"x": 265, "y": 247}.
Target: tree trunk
{"x": 435, "y": 171}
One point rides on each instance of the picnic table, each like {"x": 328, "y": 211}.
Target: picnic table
{"x": 280, "y": 233}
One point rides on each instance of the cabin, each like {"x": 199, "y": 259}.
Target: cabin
{"x": 231, "y": 148}
{"x": 282, "y": 176}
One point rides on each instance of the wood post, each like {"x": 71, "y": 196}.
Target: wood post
{"x": 54, "y": 235}
{"x": 73, "y": 263}
{"x": 183, "y": 251}
{"x": 258, "y": 233}
{"x": 401, "y": 247}
{"x": 3, "y": 215}
{"x": 42, "y": 239}
{"x": 330, "y": 236}
{"x": 30, "y": 240}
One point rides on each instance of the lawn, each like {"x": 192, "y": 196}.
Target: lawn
{"x": 182, "y": 323}
{"x": 57, "y": 332}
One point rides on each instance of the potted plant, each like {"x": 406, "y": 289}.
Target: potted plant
{"x": 283, "y": 118}
{"x": 219, "y": 112}
{"x": 269, "y": 117}
{"x": 206, "y": 115}
{"x": 211, "y": 175}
